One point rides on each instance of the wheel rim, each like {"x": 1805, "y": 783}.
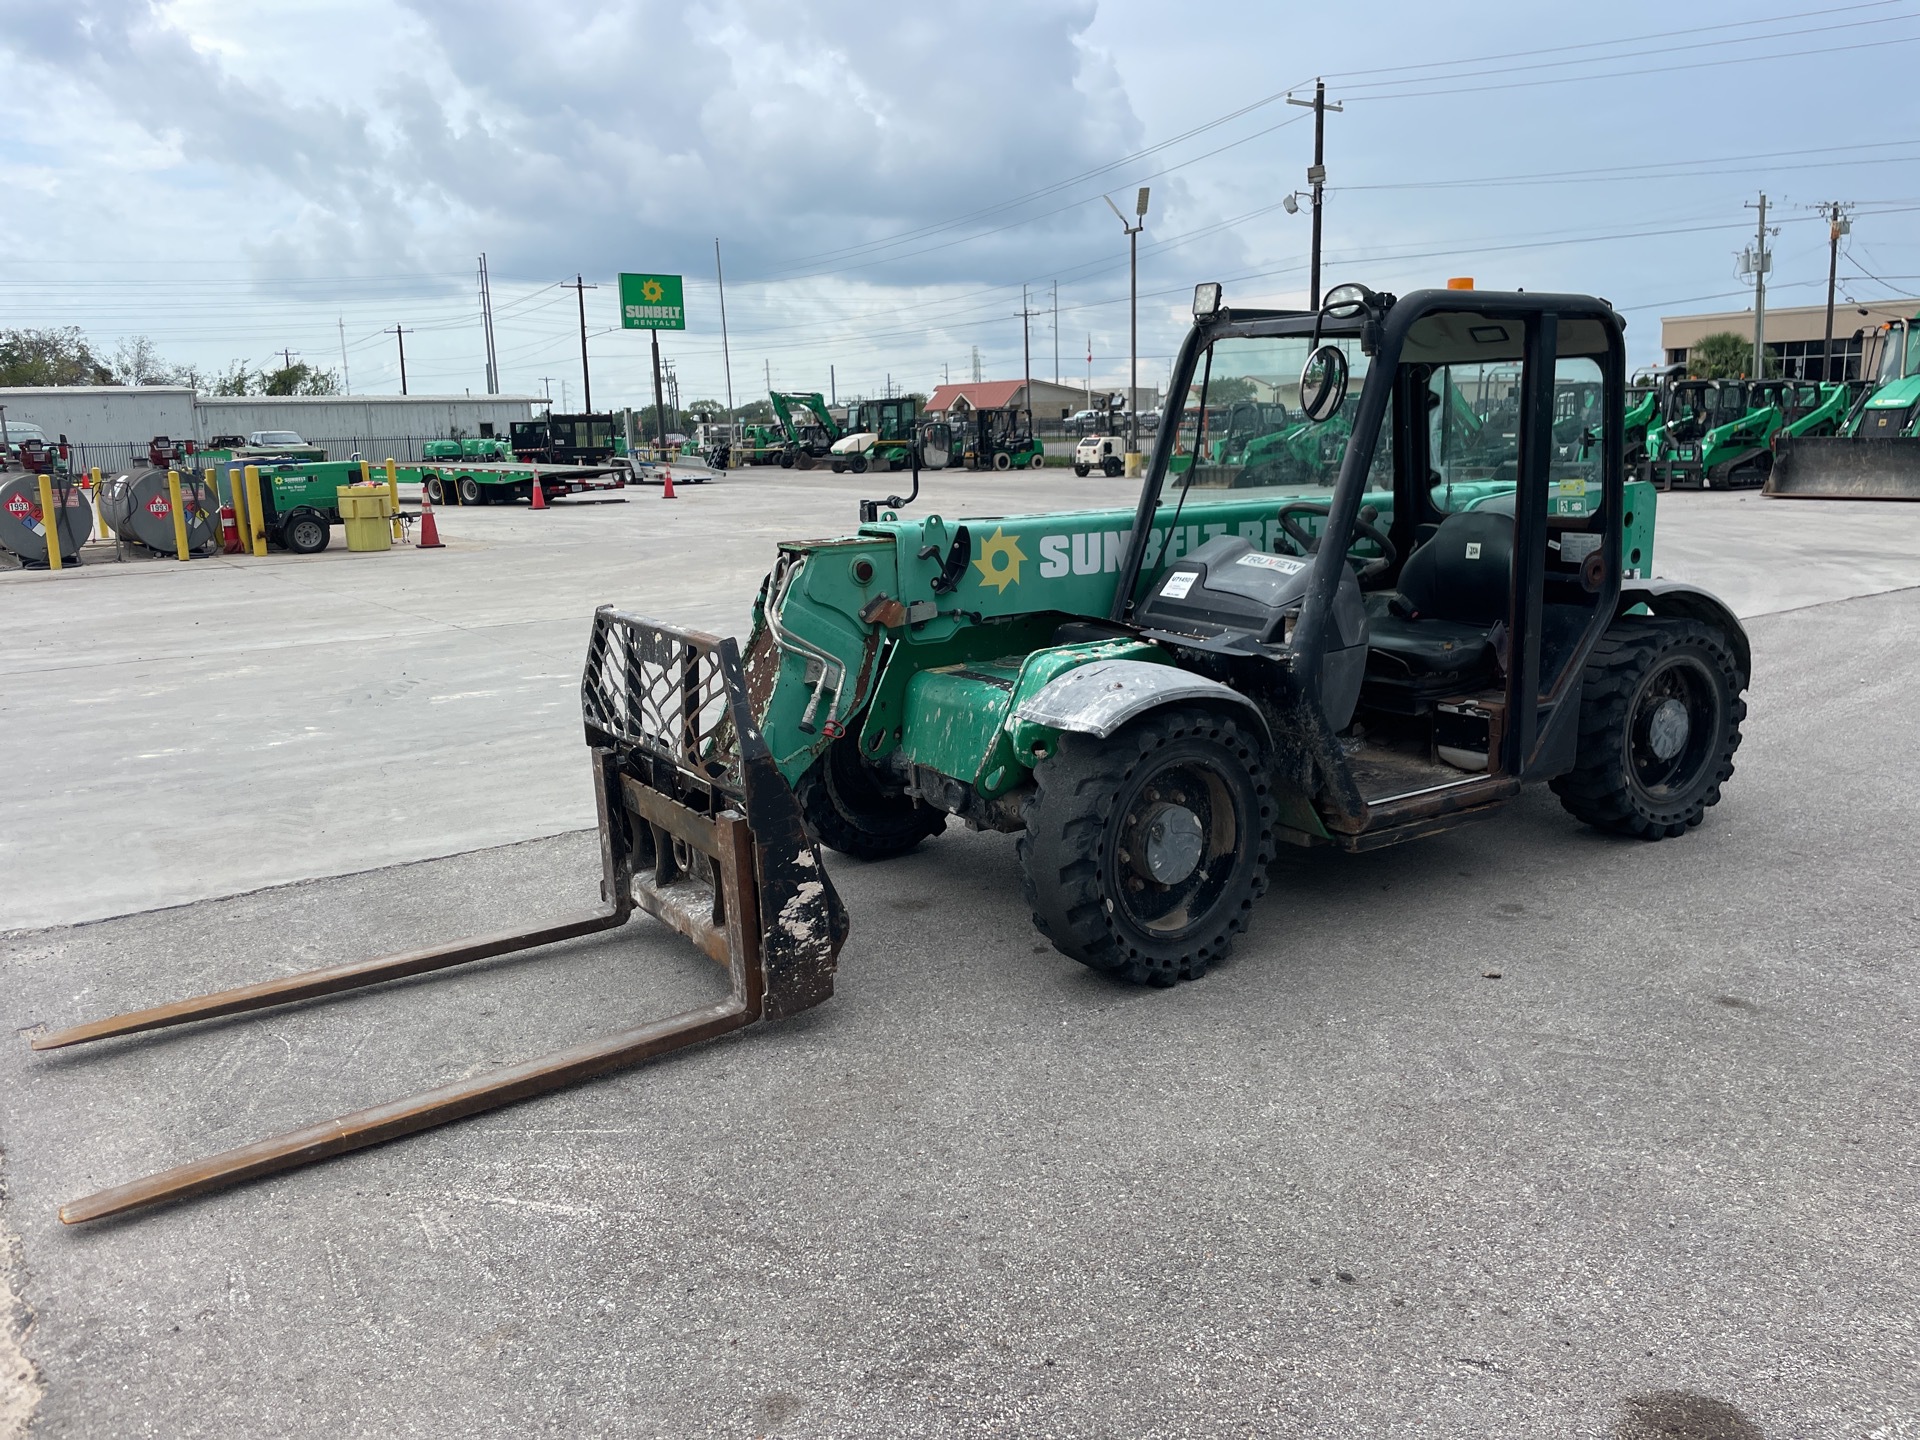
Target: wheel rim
{"x": 1178, "y": 843}
{"x": 306, "y": 535}
{"x": 1670, "y": 738}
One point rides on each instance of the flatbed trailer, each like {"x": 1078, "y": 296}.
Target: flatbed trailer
{"x": 464, "y": 482}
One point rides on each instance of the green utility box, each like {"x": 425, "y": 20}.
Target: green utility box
{"x": 367, "y": 512}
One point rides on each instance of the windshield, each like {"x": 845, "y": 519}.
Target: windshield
{"x": 1897, "y": 359}
{"x": 1241, "y": 427}
{"x": 277, "y": 437}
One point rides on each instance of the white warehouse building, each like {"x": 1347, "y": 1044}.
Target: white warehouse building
{"x": 110, "y": 425}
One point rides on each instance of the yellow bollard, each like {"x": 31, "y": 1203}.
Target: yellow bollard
{"x": 50, "y": 518}
{"x": 393, "y": 498}
{"x": 179, "y": 513}
{"x": 256, "y": 516}
{"x": 366, "y": 473}
{"x": 237, "y": 498}
{"x": 99, "y": 510}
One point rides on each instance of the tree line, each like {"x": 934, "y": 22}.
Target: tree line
{"x": 64, "y": 356}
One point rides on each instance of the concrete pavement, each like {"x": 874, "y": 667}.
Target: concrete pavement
{"x": 181, "y": 731}
{"x": 1656, "y": 1180}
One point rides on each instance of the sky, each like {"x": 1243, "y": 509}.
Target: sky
{"x": 246, "y": 181}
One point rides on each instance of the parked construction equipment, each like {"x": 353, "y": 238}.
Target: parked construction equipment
{"x": 996, "y": 439}
{"x": 880, "y": 434}
{"x": 1875, "y": 452}
{"x": 808, "y": 440}
{"x": 1389, "y": 642}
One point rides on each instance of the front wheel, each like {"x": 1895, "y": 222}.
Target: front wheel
{"x": 1144, "y": 853}
{"x": 848, "y": 810}
{"x": 859, "y": 464}
{"x": 1039, "y": 460}
{"x": 1003, "y": 461}
{"x": 1660, "y": 715}
{"x": 1081, "y": 470}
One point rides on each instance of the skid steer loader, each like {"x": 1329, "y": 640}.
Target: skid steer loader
{"x": 1384, "y": 638}
{"x": 1874, "y": 453}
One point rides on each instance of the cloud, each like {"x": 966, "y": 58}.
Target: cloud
{"x": 595, "y": 136}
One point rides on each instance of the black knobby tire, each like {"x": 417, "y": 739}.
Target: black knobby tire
{"x": 859, "y": 464}
{"x": 1080, "y": 470}
{"x": 1086, "y": 856}
{"x": 1641, "y": 769}
{"x": 306, "y": 532}
{"x": 847, "y": 809}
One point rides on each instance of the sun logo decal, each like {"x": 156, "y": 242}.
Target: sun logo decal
{"x": 999, "y": 562}
{"x": 652, "y": 291}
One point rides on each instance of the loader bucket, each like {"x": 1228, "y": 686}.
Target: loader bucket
{"x": 697, "y": 828}
{"x": 1841, "y": 468}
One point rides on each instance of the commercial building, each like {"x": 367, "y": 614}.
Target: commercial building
{"x": 1048, "y": 400}
{"x": 110, "y": 425}
{"x": 1795, "y": 334}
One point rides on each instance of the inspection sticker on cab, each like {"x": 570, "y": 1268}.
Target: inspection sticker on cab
{"x": 1178, "y": 584}
{"x": 1285, "y": 564}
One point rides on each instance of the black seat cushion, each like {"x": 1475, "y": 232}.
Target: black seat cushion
{"x": 1433, "y": 647}
{"x": 1464, "y": 573}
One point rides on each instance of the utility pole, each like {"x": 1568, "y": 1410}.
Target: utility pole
{"x": 1759, "y": 260}
{"x": 546, "y": 388}
{"x": 725, "y": 354}
{"x": 1026, "y": 355}
{"x": 581, "y": 287}
{"x": 1089, "y": 370}
{"x": 1837, "y": 225}
{"x": 833, "y": 386}
{"x": 1056, "y": 332}
{"x": 486, "y": 327}
{"x": 1317, "y": 172}
{"x": 1133, "y": 320}
{"x": 401, "y": 336}
{"x": 287, "y": 355}
{"x": 976, "y": 364}
{"x": 346, "y": 380}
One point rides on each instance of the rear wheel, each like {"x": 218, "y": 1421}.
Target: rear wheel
{"x": 1660, "y": 719}
{"x": 435, "y": 494}
{"x": 859, "y": 464}
{"x": 1038, "y": 461}
{"x": 1081, "y": 470}
{"x": 849, "y": 810}
{"x": 1144, "y": 852}
{"x": 1111, "y": 467}
{"x": 469, "y": 490}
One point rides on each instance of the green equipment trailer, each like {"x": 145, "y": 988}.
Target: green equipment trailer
{"x": 1153, "y": 699}
{"x": 1874, "y": 453}
{"x": 472, "y": 448}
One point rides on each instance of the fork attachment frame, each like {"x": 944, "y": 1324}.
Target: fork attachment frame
{"x": 697, "y": 828}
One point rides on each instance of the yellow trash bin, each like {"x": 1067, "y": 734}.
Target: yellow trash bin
{"x": 366, "y": 510}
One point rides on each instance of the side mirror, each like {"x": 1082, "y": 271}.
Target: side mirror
{"x": 1323, "y": 383}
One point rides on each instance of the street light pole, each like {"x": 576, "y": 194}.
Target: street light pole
{"x": 1133, "y": 322}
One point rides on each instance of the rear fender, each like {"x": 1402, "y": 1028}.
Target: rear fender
{"x": 1675, "y": 598}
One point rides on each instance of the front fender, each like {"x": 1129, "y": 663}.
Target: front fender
{"x": 1675, "y": 597}
{"x": 1098, "y": 698}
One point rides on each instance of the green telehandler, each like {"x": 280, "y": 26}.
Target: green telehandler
{"x": 1153, "y": 699}
{"x": 1874, "y": 452}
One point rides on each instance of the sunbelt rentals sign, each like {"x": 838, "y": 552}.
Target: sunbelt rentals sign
{"x": 652, "y": 302}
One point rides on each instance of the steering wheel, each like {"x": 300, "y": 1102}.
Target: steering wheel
{"x": 1365, "y": 527}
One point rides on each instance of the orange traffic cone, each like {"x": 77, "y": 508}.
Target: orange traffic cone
{"x": 666, "y": 482}
{"x": 429, "y": 531}
{"x": 539, "y": 495}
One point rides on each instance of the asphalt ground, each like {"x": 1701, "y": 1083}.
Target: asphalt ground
{"x": 1658, "y": 1178}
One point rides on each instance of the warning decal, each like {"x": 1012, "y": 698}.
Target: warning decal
{"x": 159, "y": 508}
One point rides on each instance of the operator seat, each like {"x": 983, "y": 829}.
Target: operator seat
{"x": 1434, "y": 636}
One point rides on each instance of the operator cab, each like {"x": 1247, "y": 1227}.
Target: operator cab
{"x": 1465, "y": 448}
